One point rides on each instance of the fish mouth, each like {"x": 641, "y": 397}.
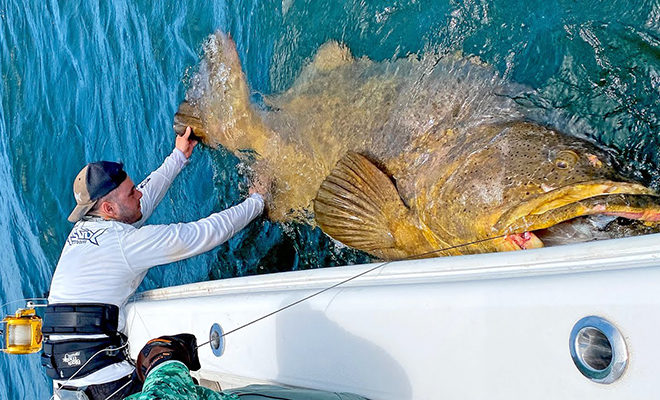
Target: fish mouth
{"x": 556, "y": 206}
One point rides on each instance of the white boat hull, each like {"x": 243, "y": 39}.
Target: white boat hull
{"x": 492, "y": 326}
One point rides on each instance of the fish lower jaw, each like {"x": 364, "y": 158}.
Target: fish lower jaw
{"x": 552, "y": 224}
{"x": 586, "y": 228}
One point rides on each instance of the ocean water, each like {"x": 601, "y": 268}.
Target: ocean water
{"x": 88, "y": 80}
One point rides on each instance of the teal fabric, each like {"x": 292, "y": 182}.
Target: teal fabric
{"x": 171, "y": 380}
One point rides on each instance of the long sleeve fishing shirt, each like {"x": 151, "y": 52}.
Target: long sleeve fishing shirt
{"x": 104, "y": 261}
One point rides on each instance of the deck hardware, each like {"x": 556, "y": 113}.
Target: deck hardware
{"x": 598, "y": 349}
{"x": 217, "y": 340}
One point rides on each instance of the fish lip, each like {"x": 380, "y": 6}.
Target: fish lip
{"x": 523, "y": 241}
{"x": 591, "y": 197}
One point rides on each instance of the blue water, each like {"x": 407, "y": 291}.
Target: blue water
{"x": 86, "y": 80}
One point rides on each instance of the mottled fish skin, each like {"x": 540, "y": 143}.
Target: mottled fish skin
{"x": 405, "y": 157}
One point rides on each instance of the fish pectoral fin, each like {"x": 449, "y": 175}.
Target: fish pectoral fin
{"x": 358, "y": 205}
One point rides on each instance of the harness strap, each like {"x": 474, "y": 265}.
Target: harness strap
{"x": 88, "y": 318}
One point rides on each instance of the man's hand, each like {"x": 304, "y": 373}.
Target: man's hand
{"x": 260, "y": 185}
{"x": 184, "y": 144}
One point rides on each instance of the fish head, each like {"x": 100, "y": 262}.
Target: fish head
{"x": 519, "y": 178}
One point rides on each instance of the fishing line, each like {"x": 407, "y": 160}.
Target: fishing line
{"x": 345, "y": 281}
{"x": 25, "y": 300}
{"x": 120, "y": 389}
{"x": 137, "y": 313}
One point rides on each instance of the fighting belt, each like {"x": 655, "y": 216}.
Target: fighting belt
{"x": 81, "y": 356}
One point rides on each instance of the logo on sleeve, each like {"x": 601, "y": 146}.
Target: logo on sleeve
{"x": 144, "y": 183}
{"x": 84, "y": 235}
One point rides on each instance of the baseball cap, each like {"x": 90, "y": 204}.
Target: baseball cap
{"x": 93, "y": 182}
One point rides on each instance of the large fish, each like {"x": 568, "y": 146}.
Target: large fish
{"x": 405, "y": 157}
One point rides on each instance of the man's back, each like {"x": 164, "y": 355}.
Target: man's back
{"x": 92, "y": 268}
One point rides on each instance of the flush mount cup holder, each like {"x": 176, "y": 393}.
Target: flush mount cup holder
{"x": 598, "y": 349}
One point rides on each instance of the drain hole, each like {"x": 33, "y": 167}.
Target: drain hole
{"x": 215, "y": 340}
{"x": 594, "y": 348}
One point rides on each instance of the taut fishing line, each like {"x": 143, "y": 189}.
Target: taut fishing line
{"x": 345, "y": 281}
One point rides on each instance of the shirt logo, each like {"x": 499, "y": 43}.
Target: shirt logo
{"x": 72, "y": 359}
{"x": 144, "y": 183}
{"x": 84, "y": 235}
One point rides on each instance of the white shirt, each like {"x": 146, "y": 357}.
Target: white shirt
{"x": 104, "y": 261}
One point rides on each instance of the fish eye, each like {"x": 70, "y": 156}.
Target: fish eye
{"x": 566, "y": 159}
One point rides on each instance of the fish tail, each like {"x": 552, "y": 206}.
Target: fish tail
{"x": 217, "y": 105}
{"x": 188, "y": 115}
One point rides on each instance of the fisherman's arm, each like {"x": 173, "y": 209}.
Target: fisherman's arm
{"x": 155, "y": 186}
{"x": 163, "y": 244}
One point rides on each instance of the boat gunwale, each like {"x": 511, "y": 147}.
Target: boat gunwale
{"x": 624, "y": 253}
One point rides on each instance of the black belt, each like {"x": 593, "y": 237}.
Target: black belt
{"x": 85, "y": 318}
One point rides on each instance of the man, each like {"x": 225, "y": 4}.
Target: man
{"x": 105, "y": 258}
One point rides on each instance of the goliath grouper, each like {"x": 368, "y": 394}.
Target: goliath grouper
{"x": 402, "y": 158}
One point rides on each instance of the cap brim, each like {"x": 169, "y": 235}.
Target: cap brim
{"x": 80, "y": 211}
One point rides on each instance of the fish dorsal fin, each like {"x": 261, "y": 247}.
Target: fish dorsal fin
{"x": 358, "y": 205}
{"x": 332, "y": 55}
